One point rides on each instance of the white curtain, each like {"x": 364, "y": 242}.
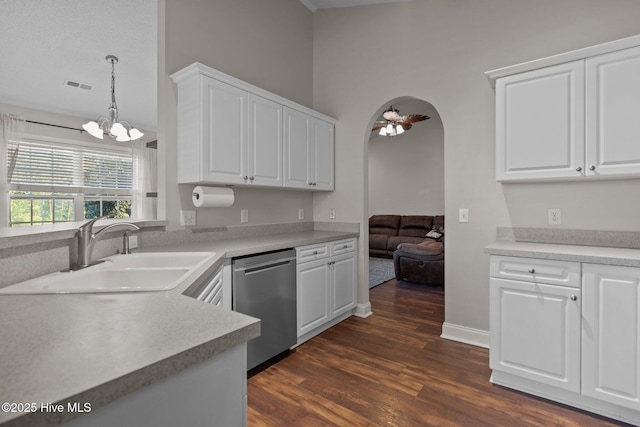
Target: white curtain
{"x": 147, "y": 180}
{"x": 11, "y": 127}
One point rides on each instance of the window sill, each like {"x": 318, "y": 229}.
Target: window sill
{"x": 20, "y": 236}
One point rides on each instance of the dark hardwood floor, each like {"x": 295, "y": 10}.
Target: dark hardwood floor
{"x": 393, "y": 369}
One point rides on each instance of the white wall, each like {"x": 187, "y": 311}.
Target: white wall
{"x": 406, "y": 172}
{"x": 268, "y": 44}
{"x": 438, "y": 50}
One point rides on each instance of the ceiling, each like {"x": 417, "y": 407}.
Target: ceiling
{"x": 45, "y": 43}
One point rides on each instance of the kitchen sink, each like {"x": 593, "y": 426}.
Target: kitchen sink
{"x": 159, "y": 259}
{"x": 158, "y": 271}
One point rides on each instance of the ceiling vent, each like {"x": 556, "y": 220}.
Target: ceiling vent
{"x": 85, "y": 86}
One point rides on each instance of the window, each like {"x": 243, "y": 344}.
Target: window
{"x": 52, "y": 182}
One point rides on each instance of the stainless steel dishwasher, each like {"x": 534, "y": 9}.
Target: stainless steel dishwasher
{"x": 264, "y": 286}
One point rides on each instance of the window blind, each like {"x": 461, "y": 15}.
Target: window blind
{"x": 41, "y": 166}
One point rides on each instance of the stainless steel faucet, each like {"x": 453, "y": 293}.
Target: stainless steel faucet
{"x": 87, "y": 239}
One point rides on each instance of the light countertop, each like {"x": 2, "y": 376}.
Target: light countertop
{"x": 589, "y": 254}
{"x": 97, "y": 347}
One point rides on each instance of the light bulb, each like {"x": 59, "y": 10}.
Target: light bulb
{"x": 135, "y": 134}
{"x": 94, "y": 129}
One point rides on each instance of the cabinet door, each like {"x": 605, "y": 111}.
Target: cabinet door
{"x": 297, "y": 148}
{"x": 611, "y": 334}
{"x": 612, "y": 111}
{"x": 312, "y": 295}
{"x": 264, "y": 148}
{"x": 540, "y": 123}
{"x": 343, "y": 282}
{"x": 223, "y": 132}
{"x": 535, "y": 332}
{"x": 322, "y": 156}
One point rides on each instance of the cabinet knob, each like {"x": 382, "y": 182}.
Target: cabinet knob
{"x": 314, "y": 184}
{"x": 311, "y": 183}
{"x": 579, "y": 169}
{"x": 532, "y": 270}
{"x": 592, "y": 168}
{"x": 574, "y": 298}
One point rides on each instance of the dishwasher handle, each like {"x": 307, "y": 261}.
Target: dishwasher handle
{"x": 264, "y": 266}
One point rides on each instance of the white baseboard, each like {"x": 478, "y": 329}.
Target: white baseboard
{"x": 465, "y": 335}
{"x": 363, "y": 310}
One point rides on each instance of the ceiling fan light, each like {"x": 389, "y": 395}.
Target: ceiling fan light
{"x": 93, "y": 128}
{"x": 389, "y": 128}
{"x": 383, "y": 131}
{"x": 399, "y": 129}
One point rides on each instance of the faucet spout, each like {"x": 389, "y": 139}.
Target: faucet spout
{"x": 87, "y": 239}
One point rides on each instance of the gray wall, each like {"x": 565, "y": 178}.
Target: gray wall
{"x": 438, "y": 50}
{"x": 267, "y": 44}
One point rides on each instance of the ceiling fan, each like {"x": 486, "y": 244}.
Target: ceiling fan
{"x": 395, "y": 124}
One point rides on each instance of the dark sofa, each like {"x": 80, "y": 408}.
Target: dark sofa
{"x": 386, "y": 232}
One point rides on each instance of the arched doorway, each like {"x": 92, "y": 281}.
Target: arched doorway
{"x": 404, "y": 174}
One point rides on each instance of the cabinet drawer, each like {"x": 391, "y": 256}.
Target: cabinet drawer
{"x": 561, "y": 273}
{"x": 343, "y": 246}
{"x": 312, "y": 252}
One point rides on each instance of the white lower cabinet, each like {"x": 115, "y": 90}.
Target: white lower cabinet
{"x": 568, "y": 331}
{"x": 326, "y": 285}
{"x": 611, "y": 334}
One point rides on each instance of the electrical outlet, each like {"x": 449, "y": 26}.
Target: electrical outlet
{"x": 133, "y": 241}
{"x": 555, "y": 216}
{"x": 332, "y": 213}
{"x": 187, "y": 218}
{"x": 244, "y": 215}
{"x": 463, "y": 215}
{"x": 300, "y": 213}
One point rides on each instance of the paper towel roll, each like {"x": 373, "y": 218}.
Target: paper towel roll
{"x": 212, "y": 197}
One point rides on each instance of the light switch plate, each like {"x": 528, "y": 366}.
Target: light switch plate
{"x": 332, "y": 213}
{"x": 244, "y": 215}
{"x": 463, "y": 215}
{"x": 300, "y": 213}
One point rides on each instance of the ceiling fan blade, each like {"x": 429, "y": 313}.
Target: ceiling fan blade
{"x": 412, "y": 118}
{"x": 377, "y": 127}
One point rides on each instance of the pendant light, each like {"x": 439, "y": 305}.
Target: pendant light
{"x": 120, "y": 130}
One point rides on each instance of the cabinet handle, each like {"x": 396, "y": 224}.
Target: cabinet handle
{"x": 246, "y": 177}
{"x": 592, "y": 168}
{"x": 579, "y": 169}
{"x": 311, "y": 183}
{"x": 574, "y": 298}
{"x": 315, "y": 252}
{"x": 251, "y": 179}
{"x": 314, "y": 184}
{"x": 532, "y": 270}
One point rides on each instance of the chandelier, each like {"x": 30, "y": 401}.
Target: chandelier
{"x": 120, "y": 130}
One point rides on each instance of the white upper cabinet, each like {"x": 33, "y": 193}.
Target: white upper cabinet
{"x": 613, "y": 109}
{"x": 264, "y": 151}
{"x": 540, "y": 123}
{"x": 309, "y": 145}
{"x": 571, "y": 116}
{"x": 230, "y": 132}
